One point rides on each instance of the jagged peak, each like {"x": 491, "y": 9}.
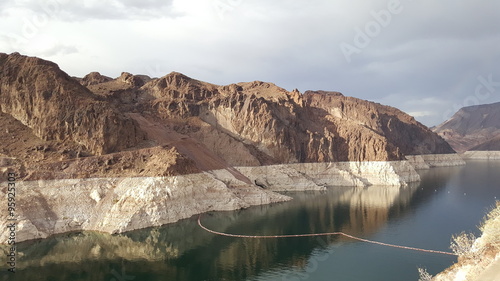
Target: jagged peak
{"x": 95, "y": 74}
{"x": 94, "y": 78}
{"x": 324, "y": 93}
{"x": 265, "y": 90}
{"x": 173, "y": 76}
{"x": 176, "y": 80}
{"x": 22, "y": 68}
{"x": 177, "y": 74}
{"x": 22, "y": 60}
{"x": 133, "y": 80}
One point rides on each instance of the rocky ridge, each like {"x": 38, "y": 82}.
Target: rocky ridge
{"x": 238, "y": 139}
{"x": 473, "y": 128}
{"x": 244, "y": 124}
{"x": 44, "y": 98}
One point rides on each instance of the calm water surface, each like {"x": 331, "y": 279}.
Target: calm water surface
{"x": 425, "y": 215}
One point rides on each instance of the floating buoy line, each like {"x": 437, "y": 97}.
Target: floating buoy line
{"x": 321, "y": 234}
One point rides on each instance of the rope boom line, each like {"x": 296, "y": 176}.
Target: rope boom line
{"x": 321, "y": 234}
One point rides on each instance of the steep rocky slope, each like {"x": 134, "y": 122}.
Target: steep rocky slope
{"x": 214, "y": 127}
{"x": 136, "y": 152}
{"x": 277, "y": 126}
{"x": 402, "y": 133}
{"x": 55, "y": 107}
{"x": 473, "y": 128}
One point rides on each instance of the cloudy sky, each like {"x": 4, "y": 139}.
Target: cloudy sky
{"x": 426, "y": 57}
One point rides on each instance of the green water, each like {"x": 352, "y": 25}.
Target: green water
{"x": 425, "y": 215}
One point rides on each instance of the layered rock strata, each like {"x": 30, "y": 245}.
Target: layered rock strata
{"x": 217, "y": 127}
{"x": 116, "y": 205}
{"x": 481, "y": 155}
{"x": 435, "y": 160}
{"x": 56, "y": 107}
{"x": 317, "y": 176}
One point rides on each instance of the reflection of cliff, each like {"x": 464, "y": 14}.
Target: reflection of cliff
{"x": 370, "y": 208}
{"x": 181, "y": 251}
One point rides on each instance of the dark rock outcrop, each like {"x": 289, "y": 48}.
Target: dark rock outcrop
{"x": 94, "y": 78}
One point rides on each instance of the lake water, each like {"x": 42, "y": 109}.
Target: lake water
{"x": 424, "y": 215}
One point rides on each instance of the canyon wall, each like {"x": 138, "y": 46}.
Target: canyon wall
{"x": 114, "y": 155}
{"x": 56, "y": 107}
{"x": 215, "y": 127}
{"x": 427, "y": 161}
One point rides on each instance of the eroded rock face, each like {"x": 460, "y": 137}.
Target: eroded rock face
{"x": 287, "y": 127}
{"x": 116, "y": 205}
{"x": 94, "y": 78}
{"x": 56, "y": 107}
{"x": 402, "y": 133}
{"x": 244, "y": 124}
{"x": 136, "y": 152}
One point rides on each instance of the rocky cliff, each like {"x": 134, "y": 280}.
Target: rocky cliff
{"x": 244, "y": 124}
{"x": 177, "y": 134}
{"x": 56, "y": 107}
{"x": 473, "y": 128}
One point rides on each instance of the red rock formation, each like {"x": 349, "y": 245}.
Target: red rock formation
{"x": 214, "y": 127}
{"x": 94, "y": 78}
{"x": 57, "y": 107}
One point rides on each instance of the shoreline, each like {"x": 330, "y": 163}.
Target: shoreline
{"x": 117, "y": 205}
{"x": 480, "y": 260}
{"x": 481, "y": 155}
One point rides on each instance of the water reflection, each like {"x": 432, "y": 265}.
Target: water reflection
{"x": 183, "y": 251}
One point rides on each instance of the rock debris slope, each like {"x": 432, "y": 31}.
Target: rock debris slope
{"x": 204, "y": 146}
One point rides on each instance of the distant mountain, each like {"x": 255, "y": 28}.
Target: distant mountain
{"x": 491, "y": 145}
{"x": 138, "y": 126}
{"x": 473, "y": 128}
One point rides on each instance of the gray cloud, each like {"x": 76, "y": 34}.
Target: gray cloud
{"x": 58, "y": 49}
{"x": 67, "y": 10}
{"x": 426, "y": 60}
